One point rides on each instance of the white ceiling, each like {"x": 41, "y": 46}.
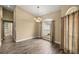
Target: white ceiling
{"x": 43, "y": 9}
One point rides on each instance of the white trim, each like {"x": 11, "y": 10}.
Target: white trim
{"x": 57, "y": 42}
{"x": 71, "y": 10}
{"x": 24, "y": 39}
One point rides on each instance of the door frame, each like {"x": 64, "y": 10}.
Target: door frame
{"x": 2, "y": 29}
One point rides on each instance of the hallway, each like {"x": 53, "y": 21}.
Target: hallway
{"x": 32, "y": 46}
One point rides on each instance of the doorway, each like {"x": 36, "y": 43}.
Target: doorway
{"x": 7, "y": 31}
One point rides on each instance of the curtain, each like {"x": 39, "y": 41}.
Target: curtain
{"x": 70, "y": 32}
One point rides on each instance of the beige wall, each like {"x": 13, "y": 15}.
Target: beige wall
{"x": 57, "y": 17}
{"x": 25, "y": 25}
{"x": 38, "y": 29}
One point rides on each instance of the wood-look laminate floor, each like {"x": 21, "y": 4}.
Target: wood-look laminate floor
{"x": 32, "y": 46}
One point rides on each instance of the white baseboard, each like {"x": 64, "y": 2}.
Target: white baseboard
{"x": 24, "y": 39}
{"x": 58, "y": 42}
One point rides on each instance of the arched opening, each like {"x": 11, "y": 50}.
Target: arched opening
{"x": 71, "y": 10}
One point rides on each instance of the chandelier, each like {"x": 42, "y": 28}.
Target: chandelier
{"x": 38, "y": 18}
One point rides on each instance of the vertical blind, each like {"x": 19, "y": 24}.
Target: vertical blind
{"x": 69, "y": 24}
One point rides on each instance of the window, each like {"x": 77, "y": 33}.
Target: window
{"x": 46, "y": 28}
{"x": 71, "y": 10}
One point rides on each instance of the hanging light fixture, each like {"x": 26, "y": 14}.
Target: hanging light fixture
{"x": 38, "y": 18}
